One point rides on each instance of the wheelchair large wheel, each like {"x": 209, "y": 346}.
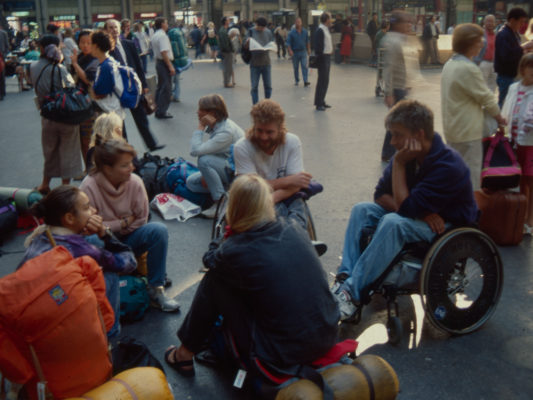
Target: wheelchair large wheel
{"x": 310, "y": 224}
{"x": 461, "y": 281}
{"x": 219, "y": 222}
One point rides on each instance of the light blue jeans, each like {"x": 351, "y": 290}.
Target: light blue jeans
{"x": 300, "y": 57}
{"x": 176, "y": 89}
{"x": 214, "y": 170}
{"x": 255, "y": 74}
{"x": 392, "y": 233}
{"x": 152, "y": 238}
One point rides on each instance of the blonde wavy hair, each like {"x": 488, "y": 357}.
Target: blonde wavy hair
{"x": 250, "y": 203}
{"x": 106, "y": 126}
{"x": 265, "y": 112}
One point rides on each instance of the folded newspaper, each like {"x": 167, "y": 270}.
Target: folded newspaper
{"x": 255, "y": 46}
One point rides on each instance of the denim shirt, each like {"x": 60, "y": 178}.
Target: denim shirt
{"x": 298, "y": 41}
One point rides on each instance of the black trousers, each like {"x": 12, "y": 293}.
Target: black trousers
{"x": 2, "y": 84}
{"x": 141, "y": 120}
{"x": 215, "y": 297}
{"x": 323, "y": 66}
{"x": 388, "y": 150}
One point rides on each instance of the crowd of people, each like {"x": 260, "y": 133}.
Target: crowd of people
{"x": 264, "y": 279}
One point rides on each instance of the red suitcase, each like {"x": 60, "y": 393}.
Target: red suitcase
{"x": 502, "y": 215}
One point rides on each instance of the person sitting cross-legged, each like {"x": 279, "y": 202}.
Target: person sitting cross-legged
{"x": 213, "y": 154}
{"x": 424, "y": 190}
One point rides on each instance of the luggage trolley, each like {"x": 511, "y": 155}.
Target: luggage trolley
{"x": 459, "y": 278}
{"x": 380, "y": 84}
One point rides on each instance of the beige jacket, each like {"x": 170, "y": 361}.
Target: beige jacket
{"x": 464, "y": 93}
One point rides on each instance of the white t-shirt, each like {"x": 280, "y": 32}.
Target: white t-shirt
{"x": 161, "y": 42}
{"x": 286, "y": 160}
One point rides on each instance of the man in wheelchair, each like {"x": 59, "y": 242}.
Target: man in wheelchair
{"x": 424, "y": 189}
{"x": 271, "y": 152}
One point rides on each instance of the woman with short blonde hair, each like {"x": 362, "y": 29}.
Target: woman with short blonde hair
{"x": 466, "y": 100}
{"x": 250, "y": 203}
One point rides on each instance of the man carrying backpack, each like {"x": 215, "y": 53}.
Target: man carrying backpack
{"x": 125, "y": 52}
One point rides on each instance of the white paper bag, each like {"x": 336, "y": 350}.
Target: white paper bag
{"x": 174, "y": 207}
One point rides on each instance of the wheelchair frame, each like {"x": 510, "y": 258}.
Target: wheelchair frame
{"x": 219, "y": 222}
{"x": 461, "y": 261}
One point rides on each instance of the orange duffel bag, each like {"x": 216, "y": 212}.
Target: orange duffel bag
{"x": 54, "y": 316}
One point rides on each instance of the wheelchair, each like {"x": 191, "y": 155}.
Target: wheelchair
{"x": 459, "y": 277}
{"x": 219, "y": 222}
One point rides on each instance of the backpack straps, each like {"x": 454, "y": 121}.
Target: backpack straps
{"x": 42, "y": 389}
{"x": 308, "y": 372}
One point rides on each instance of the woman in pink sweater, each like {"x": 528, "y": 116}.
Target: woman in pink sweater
{"x": 121, "y": 200}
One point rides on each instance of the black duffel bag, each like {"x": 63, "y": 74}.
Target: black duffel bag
{"x": 69, "y": 105}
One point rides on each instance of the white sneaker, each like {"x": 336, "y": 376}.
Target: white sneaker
{"x": 159, "y": 300}
{"x": 210, "y": 212}
{"x": 346, "y": 306}
{"x": 528, "y": 230}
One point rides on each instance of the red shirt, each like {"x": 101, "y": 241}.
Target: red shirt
{"x": 489, "y": 52}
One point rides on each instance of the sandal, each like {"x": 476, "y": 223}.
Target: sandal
{"x": 178, "y": 366}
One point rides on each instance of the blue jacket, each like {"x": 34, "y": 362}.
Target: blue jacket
{"x": 441, "y": 185}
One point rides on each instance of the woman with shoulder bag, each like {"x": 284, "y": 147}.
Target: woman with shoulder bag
{"x": 60, "y": 141}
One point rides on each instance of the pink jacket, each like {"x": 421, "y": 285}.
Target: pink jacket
{"x": 115, "y": 204}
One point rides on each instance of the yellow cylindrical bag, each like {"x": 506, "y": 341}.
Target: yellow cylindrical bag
{"x": 143, "y": 383}
{"x": 370, "y": 377}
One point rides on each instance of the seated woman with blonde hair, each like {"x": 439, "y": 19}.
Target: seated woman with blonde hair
{"x": 107, "y": 126}
{"x": 265, "y": 279}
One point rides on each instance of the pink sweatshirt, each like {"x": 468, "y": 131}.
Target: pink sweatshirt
{"x": 115, "y": 204}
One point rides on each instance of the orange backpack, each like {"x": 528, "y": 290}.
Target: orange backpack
{"x": 54, "y": 315}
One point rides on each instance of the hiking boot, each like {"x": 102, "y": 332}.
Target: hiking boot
{"x": 350, "y": 310}
{"x": 158, "y": 299}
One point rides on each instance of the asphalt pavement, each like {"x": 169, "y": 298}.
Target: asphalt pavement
{"x": 342, "y": 151}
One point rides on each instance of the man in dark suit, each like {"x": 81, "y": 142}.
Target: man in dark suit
{"x": 4, "y": 49}
{"x": 323, "y": 49}
{"x": 126, "y": 53}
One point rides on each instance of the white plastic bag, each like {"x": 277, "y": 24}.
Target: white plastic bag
{"x": 174, "y": 207}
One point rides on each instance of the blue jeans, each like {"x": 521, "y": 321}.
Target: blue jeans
{"x": 295, "y": 211}
{"x": 392, "y": 233}
{"x": 503, "y": 87}
{"x": 176, "y": 89}
{"x": 112, "y": 292}
{"x": 255, "y": 73}
{"x": 300, "y": 57}
{"x": 152, "y": 238}
{"x": 214, "y": 170}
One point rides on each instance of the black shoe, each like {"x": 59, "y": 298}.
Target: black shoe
{"x": 320, "y": 108}
{"x": 307, "y": 84}
{"x": 295, "y": 83}
{"x": 158, "y": 147}
{"x": 167, "y": 283}
{"x": 164, "y": 116}
{"x": 320, "y": 247}
{"x": 327, "y": 106}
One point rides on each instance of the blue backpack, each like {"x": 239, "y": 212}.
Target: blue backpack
{"x": 134, "y": 299}
{"x": 177, "y": 175}
{"x": 128, "y": 86}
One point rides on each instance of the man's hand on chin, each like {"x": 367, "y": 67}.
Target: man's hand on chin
{"x": 411, "y": 150}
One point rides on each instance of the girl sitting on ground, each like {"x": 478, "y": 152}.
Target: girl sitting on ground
{"x": 518, "y": 110}
{"x": 71, "y": 220}
{"x": 120, "y": 197}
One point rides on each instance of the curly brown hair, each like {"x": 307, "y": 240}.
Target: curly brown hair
{"x": 265, "y": 112}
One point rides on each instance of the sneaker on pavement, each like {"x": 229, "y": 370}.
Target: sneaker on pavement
{"x": 210, "y": 212}
{"x": 158, "y": 299}
{"x": 347, "y": 307}
{"x": 339, "y": 280}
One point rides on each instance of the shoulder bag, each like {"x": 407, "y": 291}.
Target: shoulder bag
{"x": 69, "y": 105}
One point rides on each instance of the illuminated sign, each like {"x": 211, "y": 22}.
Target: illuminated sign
{"x": 105, "y": 16}
{"x": 21, "y": 13}
{"x": 64, "y": 18}
{"x": 148, "y": 15}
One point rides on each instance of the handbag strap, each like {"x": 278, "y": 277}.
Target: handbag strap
{"x": 497, "y": 138}
{"x": 41, "y": 73}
